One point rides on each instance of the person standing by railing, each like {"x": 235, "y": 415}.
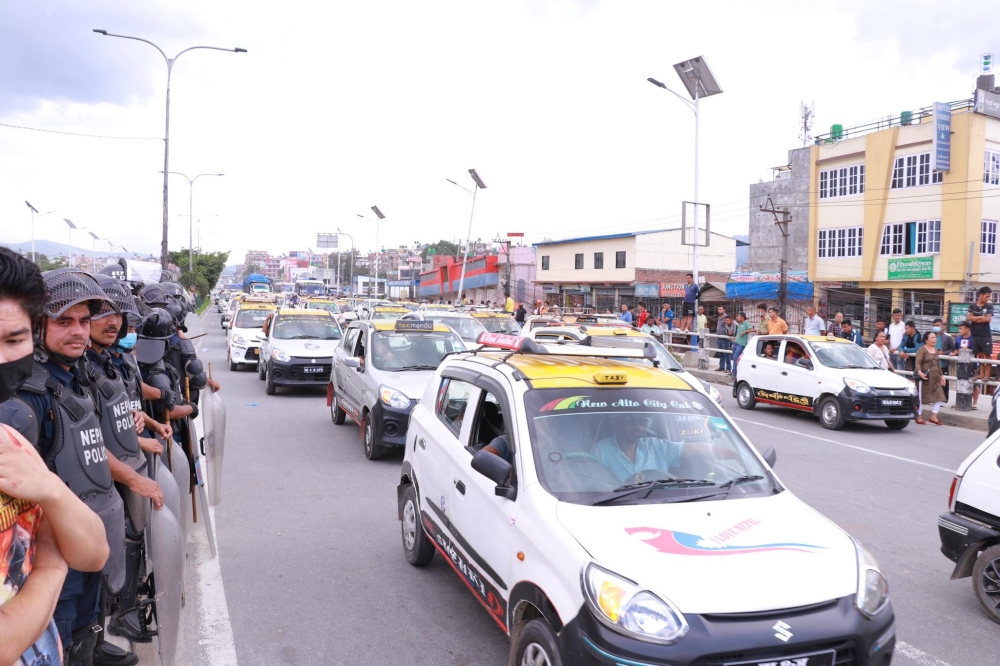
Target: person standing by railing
{"x": 945, "y": 345}
{"x": 928, "y": 370}
{"x": 742, "y": 338}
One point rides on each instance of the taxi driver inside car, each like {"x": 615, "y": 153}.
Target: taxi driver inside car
{"x": 601, "y": 435}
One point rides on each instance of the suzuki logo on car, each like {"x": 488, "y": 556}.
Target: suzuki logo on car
{"x": 782, "y": 631}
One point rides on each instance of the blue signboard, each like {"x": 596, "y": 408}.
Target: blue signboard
{"x": 942, "y": 137}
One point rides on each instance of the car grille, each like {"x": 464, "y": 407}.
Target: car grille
{"x": 251, "y": 354}
{"x": 299, "y": 365}
{"x": 903, "y": 410}
{"x": 847, "y": 654}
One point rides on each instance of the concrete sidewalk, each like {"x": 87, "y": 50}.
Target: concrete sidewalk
{"x": 974, "y": 420}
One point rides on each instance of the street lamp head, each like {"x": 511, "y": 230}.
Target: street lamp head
{"x": 239, "y": 50}
{"x": 452, "y": 182}
{"x": 655, "y": 82}
{"x": 362, "y": 216}
{"x": 101, "y": 32}
{"x": 697, "y": 78}
{"x": 378, "y": 213}
{"x": 33, "y": 209}
{"x": 93, "y": 235}
{"x": 479, "y": 181}
{"x": 71, "y": 225}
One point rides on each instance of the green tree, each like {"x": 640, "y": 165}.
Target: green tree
{"x": 442, "y": 247}
{"x": 207, "y": 269}
{"x": 46, "y": 264}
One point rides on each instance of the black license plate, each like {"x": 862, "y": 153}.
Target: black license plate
{"x": 312, "y": 368}
{"x": 892, "y": 402}
{"x": 827, "y": 658}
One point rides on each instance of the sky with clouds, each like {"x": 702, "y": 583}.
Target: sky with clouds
{"x": 343, "y": 105}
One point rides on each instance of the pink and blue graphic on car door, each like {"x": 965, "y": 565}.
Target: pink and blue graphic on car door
{"x": 683, "y": 543}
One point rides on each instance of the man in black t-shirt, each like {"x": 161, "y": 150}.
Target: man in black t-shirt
{"x": 980, "y": 314}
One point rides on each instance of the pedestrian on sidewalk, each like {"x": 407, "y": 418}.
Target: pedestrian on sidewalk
{"x": 720, "y": 343}
{"x": 896, "y": 331}
{"x": 813, "y": 324}
{"x": 964, "y": 341}
{"x": 775, "y": 324}
{"x": 879, "y": 351}
{"x": 701, "y": 323}
{"x": 928, "y": 370}
{"x": 691, "y": 294}
{"x": 911, "y": 342}
{"x": 667, "y": 317}
{"x": 625, "y": 316}
{"x": 945, "y": 345}
{"x": 741, "y": 339}
{"x": 980, "y": 315}
{"x": 848, "y": 332}
{"x": 835, "y": 327}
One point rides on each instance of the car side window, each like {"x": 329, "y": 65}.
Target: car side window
{"x": 489, "y": 422}
{"x": 452, "y": 402}
{"x": 768, "y": 349}
{"x": 793, "y": 352}
{"x": 350, "y": 339}
{"x": 359, "y": 349}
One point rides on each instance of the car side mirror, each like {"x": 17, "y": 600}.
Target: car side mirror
{"x": 351, "y": 362}
{"x": 260, "y": 338}
{"x": 770, "y": 456}
{"x": 804, "y": 363}
{"x": 497, "y": 470}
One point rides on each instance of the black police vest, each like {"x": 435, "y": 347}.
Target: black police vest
{"x": 129, "y": 372}
{"x": 79, "y": 457}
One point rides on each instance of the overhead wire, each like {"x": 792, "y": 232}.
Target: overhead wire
{"x": 89, "y": 136}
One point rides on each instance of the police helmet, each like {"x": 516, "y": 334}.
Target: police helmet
{"x": 153, "y": 295}
{"x": 121, "y": 296}
{"x": 67, "y": 287}
{"x": 173, "y": 289}
{"x": 177, "y": 311}
{"x": 158, "y": 325}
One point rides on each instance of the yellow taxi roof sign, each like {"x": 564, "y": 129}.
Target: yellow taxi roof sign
{"x": 611, "y": 377}
{"x": 257, "y": 306}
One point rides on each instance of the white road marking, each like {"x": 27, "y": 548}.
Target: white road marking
{"x": 217, "y": 642}
{"x": 918, "y": 656}
{"x": 845, "y": 445}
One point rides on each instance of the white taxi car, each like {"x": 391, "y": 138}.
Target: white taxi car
{"x": 612, "y": 335}
{"x": 468, "y": 327}
{"x": 830, "y": 377}
{"x": 241, "y": 335}
{"x": 297, "y": 348}
{"x": 970, "y": 530}
{"x": 606, "y": 513}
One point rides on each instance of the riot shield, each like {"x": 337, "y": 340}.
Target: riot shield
{"x": 171, "y": 496}
{"x": 181, "y": 471}
{"x": 166, "y": 551}
{"x": 213, "y": 414}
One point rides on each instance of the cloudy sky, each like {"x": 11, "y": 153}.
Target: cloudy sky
{"x": 341, "y": 105}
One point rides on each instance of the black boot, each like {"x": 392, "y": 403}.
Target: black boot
{"x": 109, "y": 654}
{"x": 127, "y": 625}
{"x": 81, "y": 648}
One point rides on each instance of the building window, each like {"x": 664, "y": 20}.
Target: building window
{"x": 910, "y": 238}
{"x": 988, "y": 238}
{"x": 619, "y": 260}
{"x": 578, "y": 262}
{"x": 914, "y": 170}
{"x": 991, "y": 167}
{"x": 842, "y": 182}
{"x": 598, "y": 260}
{"x": 845, "y": 242}
{"x": 545, "y": 262}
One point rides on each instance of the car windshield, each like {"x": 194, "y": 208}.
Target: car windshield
{"x": 251, "y": 318}
{"x": 413, "y": 350}
{"x": 841, "y": 355}
{"x": 466, "y": 327}
{"x": 499, "y": 325}
{"x": 306, "y": 328}
{"x": 329, "y": 307}
{"x": 596, "y": 445}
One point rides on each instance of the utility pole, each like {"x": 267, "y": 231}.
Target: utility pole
{"x": 786, "y": 219}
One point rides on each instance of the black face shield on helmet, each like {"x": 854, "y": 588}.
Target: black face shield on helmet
{"x": 153, "y": 336}
{"x": 153, "y": 295}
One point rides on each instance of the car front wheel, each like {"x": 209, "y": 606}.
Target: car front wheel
{"x": 537, "y": 645}
{"x": 373, "y": 451}
{"x": 830, "y": 414}
{"x": 744, "y": 396}
{"x": 416, "y": 546}
{"x": 269, "y": 386}
{"x": 261, "y": 369}
{"x": 336, "y": 413}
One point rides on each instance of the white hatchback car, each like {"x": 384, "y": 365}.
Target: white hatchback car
{"x": 970, "y": 530}
{"x": 830, "y": 377}
{"x": 607, "y": 513}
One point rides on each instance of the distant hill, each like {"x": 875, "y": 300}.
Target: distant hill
{"x": 52, "y": 249}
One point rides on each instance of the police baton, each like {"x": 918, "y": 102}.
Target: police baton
{"x": 194, "y": 496}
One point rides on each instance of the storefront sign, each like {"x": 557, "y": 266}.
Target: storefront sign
{"x": 917, "y": 268}
{"x": 550, "y": 288}
{"x": 668, "y": 289}
{"x": 958, "y": 312}
{"x": 584, "y": 288}
{"x": 988, "y": 103}
{"x": 941, "y": 150}
{"x": 647, "y": 289}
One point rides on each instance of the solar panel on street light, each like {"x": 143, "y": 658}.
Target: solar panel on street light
{"x": 71, "y": 225}
{"x": 697, "y": 78}
{"x": 479, "y": 181}
{"x": 378, "y": 212}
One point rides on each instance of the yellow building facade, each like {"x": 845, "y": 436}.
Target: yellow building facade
{"x": 887, "y": 229}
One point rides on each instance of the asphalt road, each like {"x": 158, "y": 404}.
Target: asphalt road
{"x": 314, "y": 572}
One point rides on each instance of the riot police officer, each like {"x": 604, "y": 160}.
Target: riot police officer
{"x": 63, "y": 422}
{"x": 117, "y": 392}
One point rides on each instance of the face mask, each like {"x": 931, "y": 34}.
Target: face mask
{"x": 13, "y": 375}
{"x": 936, "y": 329}
{"x": 128, "y": 342}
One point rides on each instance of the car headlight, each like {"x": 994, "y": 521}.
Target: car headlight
{"x": 394, "y": 398}
{"x": 856, "y": 386}
{"x": 625, "y": 607}
{"x": 912, "y": 388}
{"x": 873, "y": 588}
{"x": 280, "y": 355}
{"x": 239, "y": 340}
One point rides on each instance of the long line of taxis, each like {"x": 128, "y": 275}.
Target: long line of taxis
{"x": 603, "y": 511}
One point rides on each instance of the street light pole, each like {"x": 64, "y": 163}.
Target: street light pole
{"x": 93, "y": 257}
{"x": 191, "y": 213}
{"x": 480, "y": 185}
{"x": 35, "y": 213}
{"x": 378, "y": 217}
{"x": 69, "y": 243}
{"x": 166, "y": 133}
{"x": 352, "y": 259}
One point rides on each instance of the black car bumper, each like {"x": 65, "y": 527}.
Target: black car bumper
{"x": 390, "y": 423}
{"x": 878, "y": 404}
{"x": 750, "y": 639}
{"x": 300, "y": 371}
{"x": 962, "y": 539}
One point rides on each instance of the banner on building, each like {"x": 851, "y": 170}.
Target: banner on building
{"x": 917, "y": 268}
{"x": 942, "y": 137}
{"x": 757, "y": 276}
{"x": 671, "y": 289}
{"x": 988, "y": 103}
{"x": 649, "y": 290}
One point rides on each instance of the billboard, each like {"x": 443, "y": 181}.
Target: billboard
{"x": 327, "y": 241}
{"x": 941, "y": 151}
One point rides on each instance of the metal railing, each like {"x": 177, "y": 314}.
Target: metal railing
{"x": 913, "y": 118}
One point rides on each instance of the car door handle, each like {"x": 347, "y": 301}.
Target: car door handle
{"x": 753, "y": 366}
{"x": 421, "y": 442}
{"x": 784, "y": 373}
{"x": 460, "y": 486}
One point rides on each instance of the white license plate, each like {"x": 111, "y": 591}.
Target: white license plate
{"x": 310, "y": 368}
{"x": 828, "y": 658}
{"x": 892, "y": 403}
